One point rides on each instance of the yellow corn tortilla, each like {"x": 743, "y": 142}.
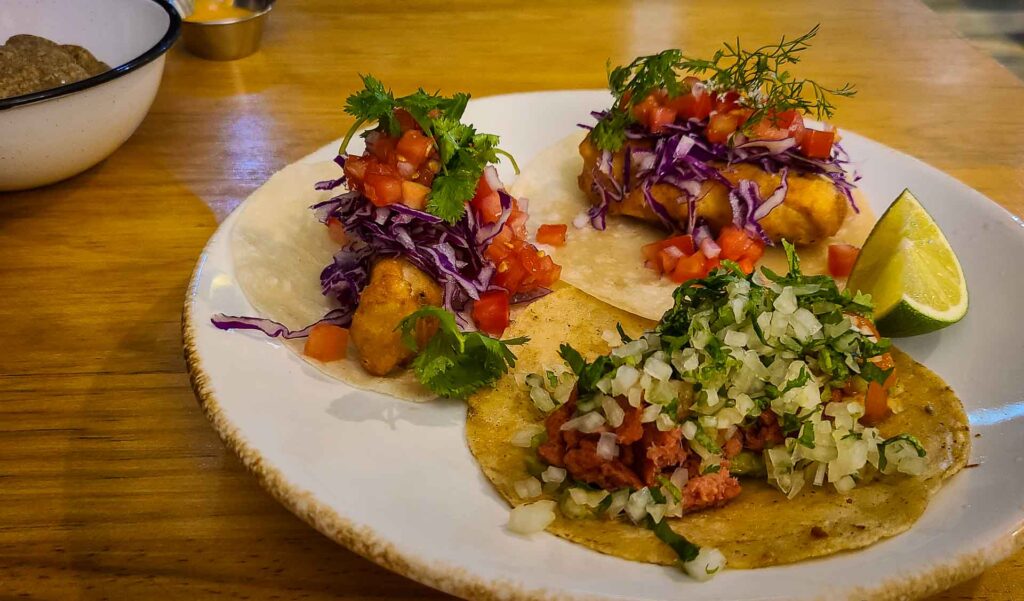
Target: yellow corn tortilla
{"x": 279, "y": 250}
{"x": 760, "y": 527}
{"x": 608, "y": 264}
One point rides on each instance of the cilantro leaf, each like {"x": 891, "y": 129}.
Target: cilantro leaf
{"x": 587, "y": 374}
{"x": 453, "y": 363}
{"x": 873, "y": 373}
{"x": 463, "y": 152}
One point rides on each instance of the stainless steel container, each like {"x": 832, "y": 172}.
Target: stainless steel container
{"x": 228, "y": 39}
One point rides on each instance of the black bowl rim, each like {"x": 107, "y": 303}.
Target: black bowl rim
{"x": 165, "y": 42}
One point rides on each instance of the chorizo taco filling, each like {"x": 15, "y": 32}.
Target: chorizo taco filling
{"x": 767, "y": 379}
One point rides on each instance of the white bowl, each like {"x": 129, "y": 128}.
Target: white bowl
{"x": 51, "y": 135}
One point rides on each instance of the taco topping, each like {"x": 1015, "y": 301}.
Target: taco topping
{"x": 426, "y": 230}
{"x": 694, "y": 144}
{"x": 778, "y": 377}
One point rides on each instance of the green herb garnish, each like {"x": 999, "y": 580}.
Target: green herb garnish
{"x": 453, "y": 363}
{"x": 907, "y": 438}
{"x": 760, "y": 75}
{"x": 463, "y": 152}
{"x": 685, "y": 550}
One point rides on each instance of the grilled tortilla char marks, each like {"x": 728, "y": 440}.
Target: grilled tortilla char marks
{"x": 30, "y": 63}
{"x": 812, "y": 210}
{"x": 396, "y": 290}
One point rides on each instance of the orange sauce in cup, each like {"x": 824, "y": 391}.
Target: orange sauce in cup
{"x": 216, "y": 10}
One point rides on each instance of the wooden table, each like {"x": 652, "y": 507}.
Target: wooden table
{"x": 113, "y": 485}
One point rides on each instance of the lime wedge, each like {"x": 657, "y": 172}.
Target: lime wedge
{"x": 910, "y": 271}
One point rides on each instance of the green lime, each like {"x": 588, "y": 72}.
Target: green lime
{"x": 910, "y": 271}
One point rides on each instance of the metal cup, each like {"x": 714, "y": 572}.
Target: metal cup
{"x": 228, "y": 39}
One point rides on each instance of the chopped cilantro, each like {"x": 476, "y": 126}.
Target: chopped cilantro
{"x": 587, "y": 374}
{"x": 464, "y": 152}
{"x": 685, "y": 550}
{"x": 907, "y": 438}
{"x": 453, "y": 363}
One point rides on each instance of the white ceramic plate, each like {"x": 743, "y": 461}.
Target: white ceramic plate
{"x": 396, "y": 482}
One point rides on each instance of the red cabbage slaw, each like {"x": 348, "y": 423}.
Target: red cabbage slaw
{"x": 451, "y": 254}
{"x": 683, "y": 158}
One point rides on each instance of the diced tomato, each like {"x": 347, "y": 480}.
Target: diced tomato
{"x": 375, "y": 167}
{"x": 711, "y": 265}
{"x": 735, "y": 243}
{"x": 866, "y": 324}
{"x": 693, "y": 105}
{"x": 746, "y": 265}
{"x": 642, "y": 109}
{"x": 726, "y": 102}
{"x": 659, "y": 117}
{"x": 414, "y": 195}
{"x": 779, "y": 126}
{"x": 383, "y": 190}
{"x": 552, "y": 233}
{"x": 483, "y": 188}
{"x": 405, "y": 120}
{"x": 326, "y": 342}
{"x": 667, "y": 259}
{"x": 841, "y": 258}
{"x": 487, "y": 207}
{"x": 690, "y": 267}
{"x": 876, "y": 403}
{"x": 721, "y": 126}
{"x": 510, "y": 273}
{"x": 336, "y": 231}
{"x": 652, "y": 251}
{"x": 414, "y": 147}
{"x": 381, "y": 146}
{"x": 501, "y": 246}
{"x": 355, "y": 169}
{"x": 490, "y": 312}
{"x": 517, "y": 221}
{"x": 817, "y": 144}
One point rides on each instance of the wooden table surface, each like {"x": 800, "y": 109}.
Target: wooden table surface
{"x": 112, "y": 483}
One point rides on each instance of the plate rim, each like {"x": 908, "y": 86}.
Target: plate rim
{"x": 455, "y": 580}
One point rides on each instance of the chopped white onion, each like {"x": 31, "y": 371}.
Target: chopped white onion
{"x": 613, "y": 414}
{"x": 650, "y": 413}
{"x": 734, "y": 338}
{"x": 636, "y": 506}
{"x": 586, "y": 423}
{"x": 493, "y": 181}
{"x": 553, "y": 474}
{"x": 657, "y": 369}
{"x": 523, "y": 438}
{"x": 527, "y": 488}
{"x": 680, "y": 477}
{"x": 635, "y": 396}
{"x": 656, "y": 511}
{"x": 709, "y": 561}
{"x": 607, "y": 446}
{"x": 580, "y": 221}
{"x": 531, "y": 517}
{"x": 786, "y": 301}
{"x": 626, "y": 376}
{"x": 619, "y": 500}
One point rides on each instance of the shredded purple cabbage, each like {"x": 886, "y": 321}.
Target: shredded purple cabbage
{"x": 274, "y": 329}
{"x": 683, "y": 158}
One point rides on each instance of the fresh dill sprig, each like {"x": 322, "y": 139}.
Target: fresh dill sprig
{"x": 760, "y": 76}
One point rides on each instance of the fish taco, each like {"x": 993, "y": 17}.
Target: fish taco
{"x": 697, "y": 161}
{"x": 398, "y": 269}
